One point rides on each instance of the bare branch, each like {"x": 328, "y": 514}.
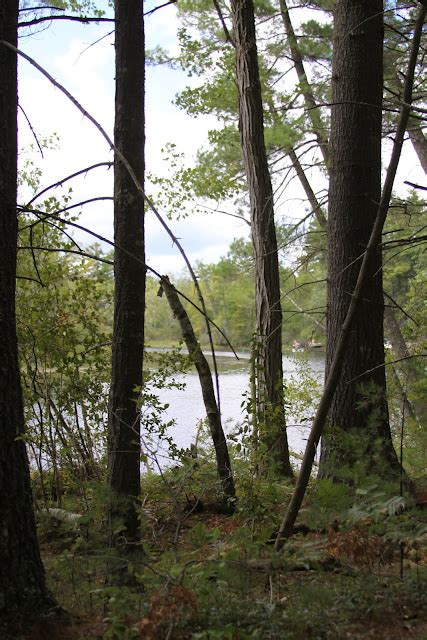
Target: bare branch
{"x": 73, "y": 175}
{"x": 415, "y": 185}
{"x": 83, "y": 254}
{"x": 386, "y": 364}
{"x": 227, "y": 34}
{"x": 42, "y": 8}
{"x": 161, "y": 6}
{"x": 84, "y": 20}
{"x": 396, "y": 305}
{"x": 36, "y": 269}
{"x": 32, "y": 130}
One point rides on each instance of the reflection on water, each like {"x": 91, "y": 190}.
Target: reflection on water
{"x": 187, "y": 409}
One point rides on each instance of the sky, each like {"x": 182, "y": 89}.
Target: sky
{"x": 67, "y": 51}
{"x": 88, "y": 73}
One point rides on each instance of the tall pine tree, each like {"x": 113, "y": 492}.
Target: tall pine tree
{"x": 23, "y": 594}
{"x": 359, "y": 423}
{"x": 129, "y": 271}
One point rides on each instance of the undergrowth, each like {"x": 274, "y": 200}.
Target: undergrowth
{"x": 355, "y": 568}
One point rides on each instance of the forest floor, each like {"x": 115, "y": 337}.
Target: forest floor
{"x": 208, "y": 576}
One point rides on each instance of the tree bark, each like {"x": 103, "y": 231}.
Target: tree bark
{"x": 268, "y": 307}
{"x": 23, "y": 594}
{"x": 360, "y": 432}
{"x": 129, "y": 303}
{"x": 336, "y": 367}
{"x": 212, "y": 412}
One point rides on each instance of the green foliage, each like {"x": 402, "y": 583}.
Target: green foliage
{"x": 63, "y": 322}
{"x": 198, "y": 568}
{"x": 331, "y": 499}
{"x": 87, "y": 7}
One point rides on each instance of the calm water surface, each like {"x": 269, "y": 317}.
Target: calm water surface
{"x": 187, "y": 409}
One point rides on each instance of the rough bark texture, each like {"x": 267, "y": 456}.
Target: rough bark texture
{"x": 359, "y": 408}
{"x": 268, "y": 308}
{"x": 23, "y": 594}
{"x": 128, "y": 336}
{"x": 205, "y": 377}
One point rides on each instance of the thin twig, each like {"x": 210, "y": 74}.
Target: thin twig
{"x": 34, "y": 257}
{"x": 84, "y": 20}
{"x": 161, "y": 6}
{"x": 386, "y": 364}
{"x": 396, "y": 305}
{"x": 83, "y": 254}
{"x": 415, "y": 185}
{"x": 73, "y": 175}
{"x": 32, "y": 130}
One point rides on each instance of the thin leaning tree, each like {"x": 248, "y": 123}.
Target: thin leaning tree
{"x": 267, "y": 281}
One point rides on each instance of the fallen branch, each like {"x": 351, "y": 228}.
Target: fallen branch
{"x": 72, "y": 519}
{"x": 212, "y": 411}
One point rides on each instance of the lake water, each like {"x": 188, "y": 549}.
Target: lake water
{"x": 187, "y": 409}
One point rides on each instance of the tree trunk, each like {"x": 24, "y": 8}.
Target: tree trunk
{"x": 268, "y": 308}
{"x": 415, "y": 132}
{"x": 359, "y": 425}
{"x": 129, "y": 303}
{"x": 212, "y": 412}
{"x": 405, "y": 369}
{"x": 336, "y": 366}
{"x": 419, "y": 141}
{"x": 313, "y": 111}
{"x": 23, "y": 594}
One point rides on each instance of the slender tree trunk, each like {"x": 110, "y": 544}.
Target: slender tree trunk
{"x": 419, "y": 141}
{"x": 360, "y": 432}
{"x": 268, "y": 308}
{"x": 128, "y": 334}
{"x": 23, "y": 594}
{"x": 311, "y": 196}
{"x": 406, "y": 369}
{"x": 416, "y": 133}
{"x": 313, "y": 111}
{"x": 212, "y": 412}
